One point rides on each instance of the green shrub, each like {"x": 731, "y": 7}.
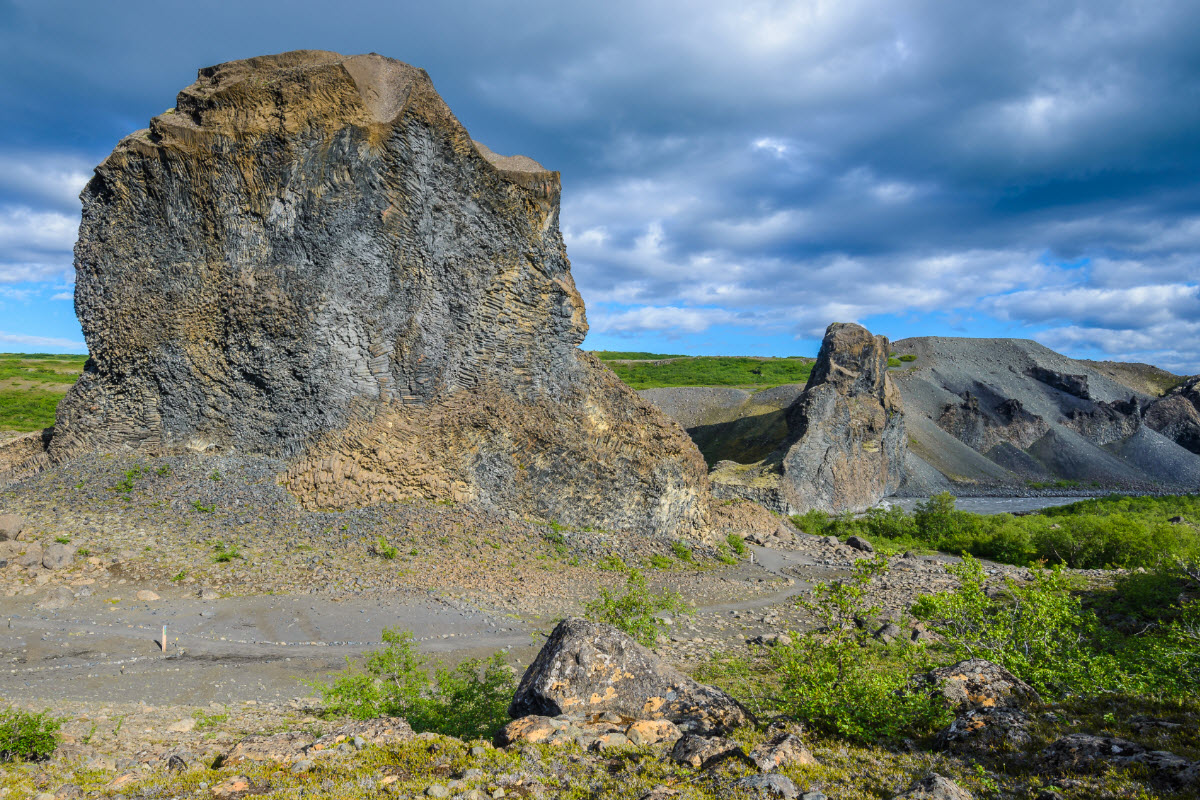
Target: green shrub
{"x": 659, "y": 561}
{"x": 611, "y": 563}
{"x": 893, "y": 362}
{"x": 469, "y": 701}
{"x": 27, "y": 736}
{"x": 223, "y": 554}
{"x": 840, "y": 681}
{"x": 634, "y": 611}
{"x": 1042, "y": 634}
{"x": 384, "y": 549}
{"x": 908, "y": 357}
{"x": 737, "y": 544}
{"x": 682, "y": 551}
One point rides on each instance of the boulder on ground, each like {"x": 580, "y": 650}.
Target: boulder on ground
{"x": 57, "y": 556}
{"x": 781, "y": 750}
{"x": 57, "y": 598}
{"x": 10, "y": 527}
{"x": 1089, "y": 753}
{"x": 982, "y": 730}
{"x": 976, "y": 684}
{"x": 935, "y": 787}
{"x": 700, "y": 752}
{"x": 769, "y": 786}
{"x": 30, "y": 555}
{"x": 589, "y": 668}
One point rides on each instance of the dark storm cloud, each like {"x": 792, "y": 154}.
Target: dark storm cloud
{"x": 765, "y": 165}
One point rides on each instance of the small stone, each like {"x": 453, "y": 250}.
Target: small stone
{"x": 304, "y": 765}
{"x": 176, "y": 763}
{"x": 652, "y": 731}
{"x": 58, "y": 597}
{"x": 478, "y": 750}
{"x": 10, "y": 527}
{"x": 182, "y": 726}
{"x": 861, "y": 544}
{"x": 699, "y": 752}
{"x": 769, "y": 786}
{"x": 147, "y": 596}
{"x": 57, "y": 556}
{"x": 208, "y": 593}
{"x": 437, "y": 790}
{"x": 231, "y": 788}
{"x": 935, "y": 787}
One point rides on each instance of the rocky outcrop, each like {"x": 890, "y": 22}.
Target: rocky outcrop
{"x": 589, "y": 668}
{"x": 309, "y": 258}
{"x": 1177, "y": 415}
{"x": 846, "y": 439}
{"x": 989, "y": 702}
{"x": 987, "y": 415}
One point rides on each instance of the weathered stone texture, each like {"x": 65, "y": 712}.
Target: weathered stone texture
{"x": 846, "y": 441}
{"x": 1177, "y": 415}
{"x": 310, "y": 258}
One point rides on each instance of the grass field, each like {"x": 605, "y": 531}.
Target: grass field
{"x": 31, "y": 386}
{"x": 650, "y": 371}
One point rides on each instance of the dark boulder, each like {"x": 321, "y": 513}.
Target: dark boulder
{"x": 935, "y": 787}
{"x": 978, "y": 684}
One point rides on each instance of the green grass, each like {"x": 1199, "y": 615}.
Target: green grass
{"x": 714, "y": 371}
{"x": 619, "y": 355}
{"x": 31, "y": 386}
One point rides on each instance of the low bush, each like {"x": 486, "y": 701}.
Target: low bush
{"x": 635, "y": 610}
{"x": 1114, "y": 532}
{"x": 839, "y": 680}
{"x": 469, "y": 701}
{"x": 27, "y": 736}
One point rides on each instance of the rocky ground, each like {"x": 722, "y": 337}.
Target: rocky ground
{"x": 258, "y": 596}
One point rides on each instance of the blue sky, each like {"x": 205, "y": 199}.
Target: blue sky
{"x": 736, "y": 175}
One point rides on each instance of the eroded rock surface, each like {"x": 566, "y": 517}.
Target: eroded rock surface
{"x": 1177, "y": 415}
{"x": 309, "y": 257}
{"x": 589, "y": 668}
{"x": 846, "y": 439}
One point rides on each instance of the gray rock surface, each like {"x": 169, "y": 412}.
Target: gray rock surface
{"x": 309, "y": 258}
{"x": 997, "y": 414}
{"x": 1177, "y": 415}
{"x": 845, "y": 449}
{"x": 978, "y": 684}
{"x": 935, "y": 787}
{"x": 57, "y": 556}
{"x": 769, "y": 786}
{"x": 588, "y": 667}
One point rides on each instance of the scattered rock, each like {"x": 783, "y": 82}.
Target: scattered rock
{"x": 231, "y": 788}
{"x": 176, "y": 763}
{"x": 147, "y": 596}
{"x": 31, "y": 555}
{"x": 935, "y": 787}
{"x": 859, "y": 543}
{"x": 699, "y": 752}
{"x": 781, "y": 750}
{"x": 987, "y": 729}
{"x": 1089, "y": 753}
{"x": 889, "y": 633}
{"x": 57, "y": 556}
{"x": 208, "y": 593}
{"x": 586, "y": 666}
{"x": 182, "y": 726}
{"x": 769, "y": 786}
{"x": 10, "y": 527}
{"x": 977, "y": 683}
{"x": 653, "y": 731}
{"x": 56, "y": 598}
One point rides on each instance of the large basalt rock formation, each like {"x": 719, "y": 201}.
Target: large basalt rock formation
{"x": 309, "y": 258}
{"x": 846, "y": 441}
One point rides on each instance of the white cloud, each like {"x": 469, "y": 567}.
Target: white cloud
{"x": 1137, "y": 307}
{"x": 42, "y": 341}
{"x": 50, "y": 177}
{"x": 23, "y": 229}
{"x": 666, "y": 319}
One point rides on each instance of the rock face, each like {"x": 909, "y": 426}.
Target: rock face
{"x": 589, "y": 668}
{"x": 846, "y": 438}
{"x": 1177, "y": 415}
{"x": 309, "y": 258}
{"x": 1005, "y": 413}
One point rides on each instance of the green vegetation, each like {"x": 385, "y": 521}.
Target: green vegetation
{"x": 737, "y": 544}
{"x": 908, "y": 357}
{"x": 27, "y": 736}
{"x": 634, "y": 612}
{"x": 223, "y": 554}
{"x": 384, "y": 549}
{"x": 893, "y": 362}
{"x": 616, "y": 355}
{"x": 1094, "y": 534}
{"x": 31, "y": 386}
{"x": 125, "y": 486}
{"x": 840, "y": 681}
{"x": 714, "y": 371}
{"x": 682, "y": 551}
{"x": 469, "y": 701}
